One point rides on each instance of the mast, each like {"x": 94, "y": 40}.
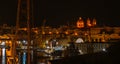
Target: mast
{"x": 28, "y": 30}
{"x": 20, "y": 15}
{"x": 16, "y": 31}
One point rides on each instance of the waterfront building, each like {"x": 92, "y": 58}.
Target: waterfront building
{"x": 93, "y": 36}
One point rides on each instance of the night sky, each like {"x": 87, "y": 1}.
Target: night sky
{"x": 60, "y": 12}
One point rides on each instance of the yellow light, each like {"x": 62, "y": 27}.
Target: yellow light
{"x": 36, "y": 31}
{"x": 50, "y": 32}
{"x": 9, "y": 52}
{"x": 25, "y": 29}
{"x": 66, "y": 32}
{"x": 43, "y": 32}
{"x": 57, "y": 32}
{"x": 76, "y": 33}
{"x": 89, "y": 25}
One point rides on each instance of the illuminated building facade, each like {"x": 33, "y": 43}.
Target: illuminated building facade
{"x": 65, "y": 34}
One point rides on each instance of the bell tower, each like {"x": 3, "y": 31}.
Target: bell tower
{"x": 94, "y": 22}
{"x": 89, "y": 23}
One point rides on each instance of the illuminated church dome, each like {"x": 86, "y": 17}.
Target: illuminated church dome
{"x": 80, "y": 23}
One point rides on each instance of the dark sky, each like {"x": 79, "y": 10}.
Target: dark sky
{"x": 59, "y": 12}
